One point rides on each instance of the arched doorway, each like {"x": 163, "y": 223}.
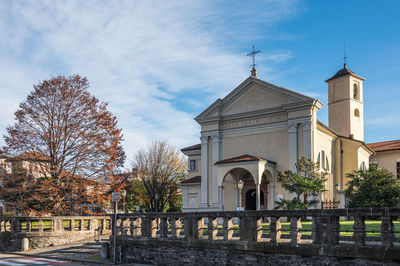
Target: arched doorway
{"x": 251, "y": 198}
{"x": 231, "y": 196}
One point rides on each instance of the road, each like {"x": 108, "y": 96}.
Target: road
{"x": 18, "y": 260}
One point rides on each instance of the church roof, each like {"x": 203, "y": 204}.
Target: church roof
{"x": 343, "y": 72}
{"x": 243, "y": 158}
{"x": 196, "y": 179}
{"x": 391, "y": 145}
{"x": 191, "y": 148}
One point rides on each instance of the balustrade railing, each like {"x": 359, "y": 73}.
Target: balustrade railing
{"x": 365, "y": 226}
{"x": 54, "y": 224}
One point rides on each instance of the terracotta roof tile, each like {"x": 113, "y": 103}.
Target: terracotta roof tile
{"x": 191, "y": 148}
{"x": 196, "y": 179}
{"x": 391, "y": 145}
{"x": 242, "y": 158}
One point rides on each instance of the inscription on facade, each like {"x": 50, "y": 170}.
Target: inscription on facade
{"x": 254, "y": 121}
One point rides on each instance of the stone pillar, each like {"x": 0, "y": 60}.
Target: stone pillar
{"x": 237, "y": 197}
{"x": 275, "y": 228}
{"x": 292, "y": 132}
{"x": 250, "y": 228}
{"x": 221, "y": 198}
{"x": 185, "y": 198}
{"x": 163, "y": 227}
{"x": 228, "y": 225}
{"x": 295, "y": 230}
{"x": 307, "y": 139}
{"x": 25, "y": 244}
{"x": 359, "y": 230}
{"x": 258, "y": 192}
{"x": 387, "y": 231}
{"x": 212, "y": 228}
{"x": 216, "y": 156}
{"x": 292, "y": 145}
{"x": 271, "y": 202}
{"x": 204, "y": 172}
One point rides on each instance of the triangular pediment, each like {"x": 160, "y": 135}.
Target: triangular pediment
{"x": 252, "y": 95}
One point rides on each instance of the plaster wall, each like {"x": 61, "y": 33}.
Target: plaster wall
{"x": 326, "y": 143}
{"x": 255, "y": 98}
{"x": 387, "y": 160}
{"x": 269, "y": 144}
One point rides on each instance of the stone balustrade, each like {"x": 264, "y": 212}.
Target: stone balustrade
{"x": 306, "y": 232}
{"x": 263, "y": 225}
{"x": 46, "y": 231}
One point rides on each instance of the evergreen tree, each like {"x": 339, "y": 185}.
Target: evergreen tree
{"x": 375, "y": 187}
{"x": 308, "y": 180}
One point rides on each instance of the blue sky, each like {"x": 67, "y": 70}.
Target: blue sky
{"x": 160, "y": 63}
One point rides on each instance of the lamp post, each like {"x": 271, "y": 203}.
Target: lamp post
{"x": 240, "y": 186}
{"x": 123, "y": 200}
{"x": 156, "y": 197}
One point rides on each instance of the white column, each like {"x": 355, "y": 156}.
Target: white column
{"x": 221, "y": 198}
{"x": 216, "y": 156}
{"x": 258, "y": 192}
{"x": 271, "y": 186}
{"x": 236, "y": 203}
{"x": 307, "y": 139}
{"x": 185, "y": 198}
{"x": 292, "y": 132}
{"x": 204, "y": 172}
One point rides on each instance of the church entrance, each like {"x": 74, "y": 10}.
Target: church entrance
{"x": 250, "y": 201}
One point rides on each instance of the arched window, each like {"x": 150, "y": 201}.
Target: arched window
{"x": 356, "y": 112}
{"x": 323, "y": 161}
{"x": 356, "y": 93}
{"x": 362, "y": 166}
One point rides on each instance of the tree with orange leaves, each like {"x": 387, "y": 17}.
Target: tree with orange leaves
{"x": 79, "y": 137}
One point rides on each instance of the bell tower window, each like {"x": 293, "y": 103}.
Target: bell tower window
{"x": 356, "y": 112}
{"x": 356, "y": 93}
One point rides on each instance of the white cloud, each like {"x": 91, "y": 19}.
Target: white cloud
{"x": 142, "y": 57}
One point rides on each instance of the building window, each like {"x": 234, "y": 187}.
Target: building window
{"x": 398, "y": 169}
{"x": 356, "y": 112}
{"x": 192, "y": 165}
{"x": 356, "y": 94}
{"x": 192, "y": 202}
{"x": 362, "y": 166}
{"x": 323, "y": 161}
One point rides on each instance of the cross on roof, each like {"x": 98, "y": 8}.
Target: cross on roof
{"x": 253, "y": 54}
{"x": 344, "y": 54}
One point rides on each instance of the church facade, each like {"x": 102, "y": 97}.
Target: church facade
{"x": 259, "y": 129}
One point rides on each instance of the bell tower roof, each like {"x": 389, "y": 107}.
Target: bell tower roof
{"x": 343, "y": 72}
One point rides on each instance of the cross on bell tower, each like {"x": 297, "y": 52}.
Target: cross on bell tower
{"x": 253, "y": 55}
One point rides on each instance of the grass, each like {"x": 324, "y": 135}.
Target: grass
{"x": 373, "y": 228}
{"x": 48, "y": 224}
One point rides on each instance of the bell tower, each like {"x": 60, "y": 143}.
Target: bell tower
{"x": 345, "y": 102}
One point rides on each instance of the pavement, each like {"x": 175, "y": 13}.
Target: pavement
{"x": 83, "y": 253}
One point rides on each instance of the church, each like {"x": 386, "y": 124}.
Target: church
{"x": 259, "y": 129}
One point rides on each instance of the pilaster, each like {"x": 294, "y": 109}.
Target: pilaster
{"x": 307, "y": 139}
{"x": 216, "y": 156}
{"x": 292, "y": 133}
{"x": 185, "y": 198}
{"x": 204, "y": 172}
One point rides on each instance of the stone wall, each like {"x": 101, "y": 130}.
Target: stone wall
{"x": 259, "y": 237}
